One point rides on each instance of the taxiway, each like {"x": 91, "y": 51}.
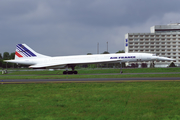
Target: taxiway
{"x": 24, "y": 81}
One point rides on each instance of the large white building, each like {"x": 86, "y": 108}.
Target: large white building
{"x": 164, "y": 40}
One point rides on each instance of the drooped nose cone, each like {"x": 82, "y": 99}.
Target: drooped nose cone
{"x": 154, "y": 57}
{"x": 165, "y": 58}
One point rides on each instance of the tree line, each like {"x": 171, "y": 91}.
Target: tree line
{"x": 7, "y": 56}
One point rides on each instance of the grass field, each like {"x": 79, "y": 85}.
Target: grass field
{"x": 92, "y": 73}
{"x": 90, "y": 101}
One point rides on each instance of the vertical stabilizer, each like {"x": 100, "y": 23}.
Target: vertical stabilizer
{"x": 23, "y": 52}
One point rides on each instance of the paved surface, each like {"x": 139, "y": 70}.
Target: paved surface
{"x": 103, "y": 74}
{"x": 87, "y": 80}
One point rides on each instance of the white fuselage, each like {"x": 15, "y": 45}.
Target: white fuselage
{"x": 61, "y": 62}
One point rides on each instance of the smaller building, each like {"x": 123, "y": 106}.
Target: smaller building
{"x": 164, "y": 40}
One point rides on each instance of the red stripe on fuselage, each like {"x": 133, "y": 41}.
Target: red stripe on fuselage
{"x": 18, "y": 54}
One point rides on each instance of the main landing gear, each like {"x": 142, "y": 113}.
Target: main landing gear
{"x": 70, "y": 72}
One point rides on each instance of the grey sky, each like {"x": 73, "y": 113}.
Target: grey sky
{"x": 72, "y": 27}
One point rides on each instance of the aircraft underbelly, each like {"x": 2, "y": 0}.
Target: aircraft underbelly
{"x": 57, "y": 67}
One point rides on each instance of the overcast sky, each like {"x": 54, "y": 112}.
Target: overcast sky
{"x": 73, "y": 27}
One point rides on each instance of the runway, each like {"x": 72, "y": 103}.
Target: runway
{"x": 24, "y": 81}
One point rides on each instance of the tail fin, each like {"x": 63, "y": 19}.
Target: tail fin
{"x": 23, "y": 51}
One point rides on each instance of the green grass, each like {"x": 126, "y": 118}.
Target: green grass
{"x": 92, "y": 73}
{"x": 101, "y": 101}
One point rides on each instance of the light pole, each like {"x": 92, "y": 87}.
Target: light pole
{"x": 107, "y": 46}
{"x": 97, "y": 48}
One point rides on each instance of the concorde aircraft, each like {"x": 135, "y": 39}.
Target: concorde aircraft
{"x": 25, "y": 55}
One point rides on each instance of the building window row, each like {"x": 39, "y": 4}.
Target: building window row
{"x": 158, "y": 52}
{"x": 154, "y": 36}
{"x": 152, "y": 43}
{"x": 168, "y": 47}
{"x": 163, "y": 39}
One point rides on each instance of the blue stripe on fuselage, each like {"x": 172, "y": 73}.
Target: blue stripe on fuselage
{"x": 113, "y": 57}
{"x": 122, "y": 57}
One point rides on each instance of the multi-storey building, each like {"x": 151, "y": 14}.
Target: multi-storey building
{"x": 164, "y": 40}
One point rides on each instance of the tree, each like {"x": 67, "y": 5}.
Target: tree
{"x": 1, "y": 62}
{"x": 120, "y": 51}
{"x": 89, "y": 53}
{"x": 0, "y": 56}
{"x": 6, "y": 56}
{"x": 105, "y": 52}
{"x": 12, "y": 56}
{"x": 92, "y": 66}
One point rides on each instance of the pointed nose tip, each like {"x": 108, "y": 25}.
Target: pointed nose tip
{"x": 165, "y": 58}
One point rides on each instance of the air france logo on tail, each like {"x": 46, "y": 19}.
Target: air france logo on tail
{"x": 22, "y": 51}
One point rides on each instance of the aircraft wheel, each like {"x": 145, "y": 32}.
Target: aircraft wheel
{"x": 64, "y": 72}
{"x": 75, "y": 72}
